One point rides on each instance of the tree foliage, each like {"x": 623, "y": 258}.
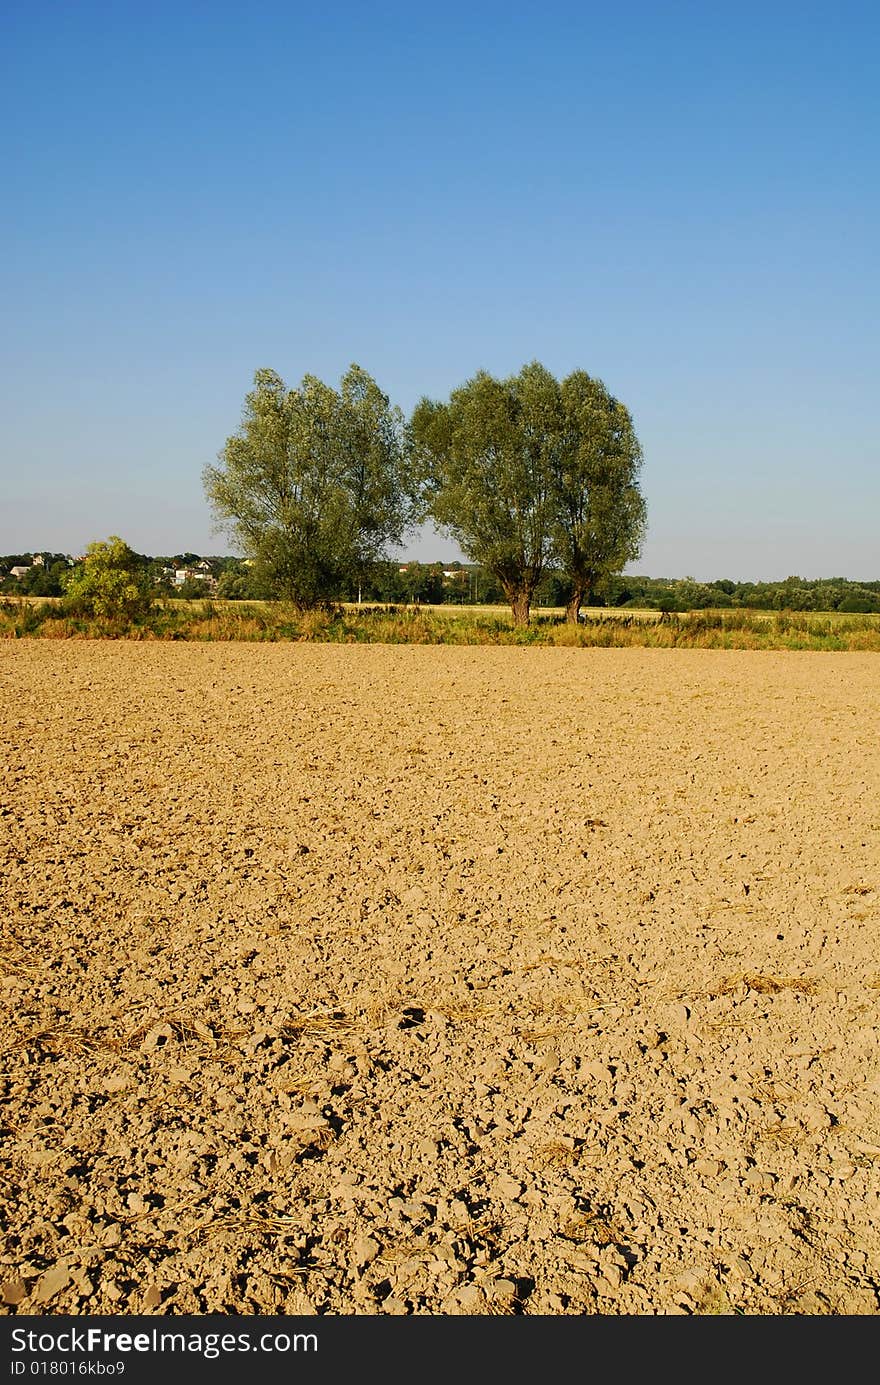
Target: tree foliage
{"x": 530, "y": 472}
{"x": 487, "y": 475}
{"x": 111, "y": 583}
{"x": 40, "y": 579}
{"x": 599, "y": 513}
{"x": 315, "y": 484}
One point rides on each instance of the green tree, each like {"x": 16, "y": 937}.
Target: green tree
{"x": 193, "y": 589}
{"x": 599, "y": 513}
{"x": 530, "y": 472}
{"x": 111, "y": 583}
{"x": 423, "y": 582}
{"x": 315, "y": 485}
{"x": 48, "y": 579}
{"x": 241, "y": 583}
{"x": 485, "y": 463}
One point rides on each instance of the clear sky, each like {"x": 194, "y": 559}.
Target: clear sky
{"x": 679, "y": 198}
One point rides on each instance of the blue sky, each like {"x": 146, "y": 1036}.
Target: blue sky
{"x": 681, "y": 199}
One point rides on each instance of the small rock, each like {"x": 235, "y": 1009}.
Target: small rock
{"x": 51, "y": 1283}
{"x": 469, "y": 1296}
{"x": 459, "y": 1210}
{"x": 506, "y": 1187}
{"x": 814, "y": 1116}
{"x": 709, "y": 1168}
{"x": 844, "y": 1172}
{"x": 759, "y": 1181}
{"x": 306, "y": 1123}
{"x": 610, "y": 1281}
{"x": 614, "y": 1265}
{"x": 394, "y": 1306}
{"x": 13, "y": 1291}
{"x": 598, "y": 1070}
{"x": 504, "y": 1289}
{"x": 365, "y": 1250}
{"x": 118, "y": 1082}
{"x": 690, "y": 1281}
{"x": 152, "y": 1298}
{"x": 81, "y": 1282}
{"x": 862, "y": 1301}
{"x": 815, "y": 1303}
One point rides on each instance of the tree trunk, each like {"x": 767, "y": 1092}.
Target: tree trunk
{"x": 520, "y": 603}
{"x": 575, "y": 602}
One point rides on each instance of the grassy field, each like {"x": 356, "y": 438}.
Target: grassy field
{"x": 459, "y": 625}
{"x": 451, "y": 611}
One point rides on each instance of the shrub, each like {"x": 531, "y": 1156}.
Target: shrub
{"x": 110, "y": 583}
{"x": 857, "y": 606}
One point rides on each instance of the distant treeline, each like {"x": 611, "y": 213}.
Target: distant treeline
{"x": 191, "y": 576}
{"x": 794, "y": 594}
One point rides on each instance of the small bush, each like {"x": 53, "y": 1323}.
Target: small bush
{"x": 857, "y": 606}
{"x": 110, "y": 584}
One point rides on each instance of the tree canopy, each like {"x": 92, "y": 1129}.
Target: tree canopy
{"x": 599, "y": 513}
{"x": 111, "y": 583}
{"x": 487, "y": 475}
{"x": 530, "y": 472}
{"x": 315, "y": 485}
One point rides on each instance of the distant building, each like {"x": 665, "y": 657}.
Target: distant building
{"x": 18, "y": 571}
{"x": 202, "y": 573}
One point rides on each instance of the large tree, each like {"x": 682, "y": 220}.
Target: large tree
{"x": 599, "y": 513}
{"x": 485, "y": 461}
{"x": 315, "y": 484}
{"x": 530, "y": 471}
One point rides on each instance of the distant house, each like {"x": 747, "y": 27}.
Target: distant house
{"x": 201, "y": 573}
{"x": 18, "y": 571}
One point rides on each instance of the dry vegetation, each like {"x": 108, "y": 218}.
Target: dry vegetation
{"x": 457, "y": 625}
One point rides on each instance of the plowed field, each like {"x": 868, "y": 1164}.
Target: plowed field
{"x": 371, "y": 979}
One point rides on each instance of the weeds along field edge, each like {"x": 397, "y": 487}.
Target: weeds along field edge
{"x": 209, "y": 621}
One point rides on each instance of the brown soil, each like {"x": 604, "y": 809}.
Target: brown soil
{"x": 363, "y": 979}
